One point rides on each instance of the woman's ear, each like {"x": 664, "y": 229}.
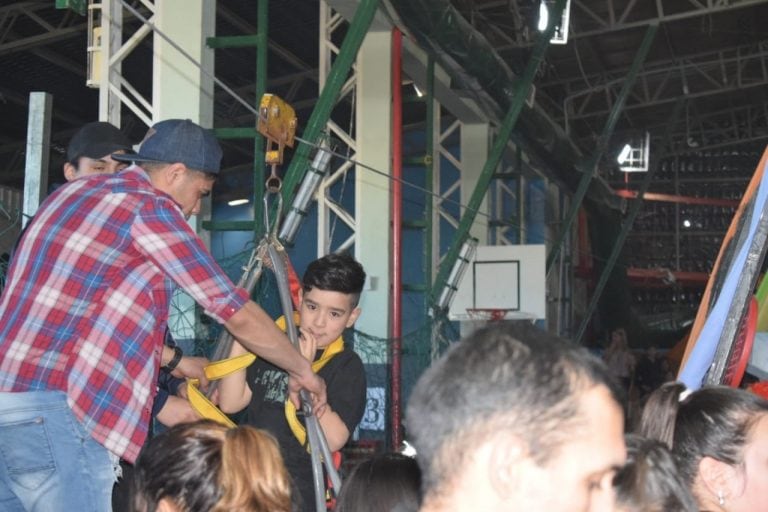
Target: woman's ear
{"x": 719, "y": 479}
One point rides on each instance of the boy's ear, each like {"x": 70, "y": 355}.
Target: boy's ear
{"x": 299, "y": 298}
{"x": 353, "y": 317}
{"x": 70, "y": 172}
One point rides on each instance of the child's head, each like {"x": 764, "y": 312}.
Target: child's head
{"x": 331, "y": 289}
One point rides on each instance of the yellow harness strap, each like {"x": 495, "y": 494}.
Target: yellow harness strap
{"x": 219, "y": 369}
{"x": 299, "y": 432}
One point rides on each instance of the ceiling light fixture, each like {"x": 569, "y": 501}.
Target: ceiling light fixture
{"x": 238, "y": 202}
{"x": 560, "y": 34}
{"x": 543, "y": 16}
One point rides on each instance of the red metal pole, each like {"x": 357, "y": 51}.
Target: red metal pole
{"x": 397, "y": 222}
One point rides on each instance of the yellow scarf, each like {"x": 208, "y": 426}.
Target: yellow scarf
{"x": 220, "y": 369}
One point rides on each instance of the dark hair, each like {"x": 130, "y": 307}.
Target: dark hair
{"x": 385, "y": 483}
{"x": 649, "y": 481}
{"x": 711, "y": 422}
{"x": 337, "y": 273}
{"x": 511, "y": 377}
{"x": 207, "y": 466}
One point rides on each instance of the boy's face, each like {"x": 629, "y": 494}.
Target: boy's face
{"x": 325, "y": 314}
{"x": 90, "y": 166}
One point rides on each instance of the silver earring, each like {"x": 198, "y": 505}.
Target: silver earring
{"x": 720, "y": 498}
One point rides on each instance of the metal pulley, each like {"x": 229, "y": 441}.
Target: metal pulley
{"x": 277, "y": 123}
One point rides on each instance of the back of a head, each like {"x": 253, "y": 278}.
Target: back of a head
{"x": 507, "y": 377}
{"x": 386, "y": 483}
{"x": 650, "y": 481}
{"x": 336, "y": 272}
{"x": 711, "y": 422}
{"x": 207, "y": 466}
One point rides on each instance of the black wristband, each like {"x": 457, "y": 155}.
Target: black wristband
{"x": 174, "y": 362}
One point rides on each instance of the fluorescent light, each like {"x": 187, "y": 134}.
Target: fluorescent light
{"x": 543, "y": 16}
{"x": 237, "y": 202}
{"x": 418, "y": 91}
{"x": 625, "y": 151}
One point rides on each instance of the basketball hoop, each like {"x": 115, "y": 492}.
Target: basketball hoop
{"x": 487, "y": 314}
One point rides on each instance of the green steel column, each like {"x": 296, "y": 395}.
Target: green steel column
{"x": 590, "y": 167}
{"x": 521, "y": 91}
{"x": 429, "y": 168}
{"x": 628, "y": 222}
{"x": 261, "y": 42}
{"x": 333, "y": 84}
{"x": 259, "y": 177}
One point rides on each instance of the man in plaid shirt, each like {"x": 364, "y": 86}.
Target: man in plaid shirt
{"x": 83, "y": 315}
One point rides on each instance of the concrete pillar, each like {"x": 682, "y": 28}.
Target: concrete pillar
{"x": 372, "y": 208}
{"x": 181, "y": 90}
{"x": 38, "y": 152}
{"x": 474, "y": 153}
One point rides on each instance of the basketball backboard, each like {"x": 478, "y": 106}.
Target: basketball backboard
{"x": 509, "y": 277}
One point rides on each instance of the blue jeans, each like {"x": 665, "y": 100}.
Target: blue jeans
{"x": 48, "y": 462}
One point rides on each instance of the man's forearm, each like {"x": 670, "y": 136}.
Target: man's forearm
{"x": 258, "y": 333}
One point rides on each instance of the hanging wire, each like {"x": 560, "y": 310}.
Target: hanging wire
{"x": 347, "y": 158}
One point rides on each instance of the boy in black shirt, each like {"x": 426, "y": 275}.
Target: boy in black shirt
{"x": 328, "y": 304}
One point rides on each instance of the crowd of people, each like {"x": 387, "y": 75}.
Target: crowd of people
{"x": 509, "y": 418}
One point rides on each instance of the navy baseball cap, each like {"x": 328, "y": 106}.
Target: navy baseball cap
{"x": 97, "y": 140}
{"x": 179, "y": 140}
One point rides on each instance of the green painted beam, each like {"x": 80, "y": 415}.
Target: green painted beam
{"x": 259, "y": 172}
{"x": 590, "y": 167}
{"x": 416, "y": 160}
{"x": 358, "y": 27}
{"x": 627, "y": 225}
{"x": 414, "y": 224}
{"x": 248, "y": 41}
{"x": 228, "y": 225}
{"x": 494, "y": 157}
{"x": 79, "y": 6}
{"x": 236, "y": 133}
{"x": 429, "y": 174}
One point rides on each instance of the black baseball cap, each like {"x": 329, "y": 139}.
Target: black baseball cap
{"x": 97, "y": 140}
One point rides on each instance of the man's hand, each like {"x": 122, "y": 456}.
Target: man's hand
{"x": 316, "y": 388}
{"x": 192, "y": 368}
{"x": 176, "y": 410}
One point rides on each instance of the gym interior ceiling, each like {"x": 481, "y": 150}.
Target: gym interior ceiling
{"x": 709, "y": 56}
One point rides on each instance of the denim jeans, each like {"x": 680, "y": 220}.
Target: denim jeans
{"x": 48, "y": 462}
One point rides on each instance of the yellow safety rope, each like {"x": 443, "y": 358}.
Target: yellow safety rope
{"x": 219, "y": 369}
